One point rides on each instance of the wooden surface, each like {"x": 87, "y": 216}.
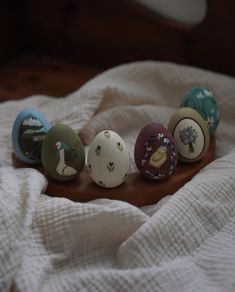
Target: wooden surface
{"x": 35, "y": 74}
{"x": 136, "y": 190}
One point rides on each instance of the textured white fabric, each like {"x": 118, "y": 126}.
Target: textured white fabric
{"x": 186, "y": 242}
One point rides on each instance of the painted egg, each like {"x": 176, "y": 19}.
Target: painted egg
{"x": 155, "y": 152}
{"x": 108, "y": 159}
{"x": 204, "y": 102}
{"x": 63, "y": 155}
{"x": 28, "y": 133}
{"x": 190, "y": 133}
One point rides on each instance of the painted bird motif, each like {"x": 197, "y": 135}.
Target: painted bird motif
{"x": 159, "y": 157}
{"x": 66, "y": 156}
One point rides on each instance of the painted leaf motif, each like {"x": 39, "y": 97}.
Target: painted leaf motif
{"x": 107, "y": 134}
{"x": 98, "y": 150}
{"x": 101, "y": 183}
{"x": 110, "y": 166}
{"x": 90, "y": 168}
{"x": 119, "y": 146}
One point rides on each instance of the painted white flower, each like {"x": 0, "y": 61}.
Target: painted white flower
{"x": 199, "y": 95}
{"x": 31, "y": 122}
{"x": 210, "y": 122}
{"x": 207, "y": 92}
{"x": 143, "y": 162}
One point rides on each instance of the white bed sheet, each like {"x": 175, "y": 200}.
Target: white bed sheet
{"x": 186, "y": 242}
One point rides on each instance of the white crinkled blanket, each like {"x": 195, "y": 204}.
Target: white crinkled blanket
{"x": 186, "y": 242}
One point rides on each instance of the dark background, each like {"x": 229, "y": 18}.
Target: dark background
{"x": 85, "y": 37}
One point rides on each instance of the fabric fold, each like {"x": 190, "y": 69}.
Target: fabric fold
{"x": 183, "y": 243}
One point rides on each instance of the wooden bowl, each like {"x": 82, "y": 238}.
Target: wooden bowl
{"x": 136, "y": 190}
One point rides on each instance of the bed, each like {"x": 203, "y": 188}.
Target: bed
{"x": 185, "y": 242}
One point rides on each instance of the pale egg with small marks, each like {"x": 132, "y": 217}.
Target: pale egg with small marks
{"x": 108, "y": 159}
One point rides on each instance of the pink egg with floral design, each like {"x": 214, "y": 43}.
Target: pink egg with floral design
{"x": 155, "y": 152}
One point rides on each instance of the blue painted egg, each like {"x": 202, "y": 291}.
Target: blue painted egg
{"x": 203, "y": 101}
{"x": 28, "y": 133}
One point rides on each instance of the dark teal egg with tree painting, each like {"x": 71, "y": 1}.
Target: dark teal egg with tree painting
{"x": 203, "y": 101}
{"x": 28, "y": 132}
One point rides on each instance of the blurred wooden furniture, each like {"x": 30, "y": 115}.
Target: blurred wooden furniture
{"x": 32, "y": 74}
{"x": 106, "y": 33}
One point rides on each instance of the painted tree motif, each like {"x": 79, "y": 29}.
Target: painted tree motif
{"x": 188, "y": 136}
{"x": 32, "y": 134}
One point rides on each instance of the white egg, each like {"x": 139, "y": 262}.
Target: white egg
{"x": 108, "y": 159}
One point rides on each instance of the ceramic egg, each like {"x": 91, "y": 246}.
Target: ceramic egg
{"x": 108, "y": 159}
{"x": 203, "y": 101}
{"x": 63, "y": 155}
{"x": 28, "y": 133}
{"x": 190, "y": 133}
{"x": 155, "y": 152}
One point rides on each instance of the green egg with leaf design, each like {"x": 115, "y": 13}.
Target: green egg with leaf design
{"x": 203, "y": 101}
{"x": 63, "y": 155}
